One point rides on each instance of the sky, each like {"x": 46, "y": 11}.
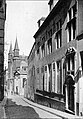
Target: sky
{"x": 21, "y": 22}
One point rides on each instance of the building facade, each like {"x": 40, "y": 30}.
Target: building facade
{"x": 2, "y": 31}
{"x": 30, "y": 84}
{"x": 58, "y": 60}
{"x": 17, "y": 70}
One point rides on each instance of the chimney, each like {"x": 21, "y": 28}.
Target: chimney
{"x": 40, "y": 21}
{"x": 52, "y": 3}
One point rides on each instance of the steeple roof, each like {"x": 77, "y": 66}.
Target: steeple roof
{"x": 16, "y": 45}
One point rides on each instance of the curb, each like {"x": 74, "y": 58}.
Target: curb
{"x": 54, "y": 113}
{"x": 43, "y": 109}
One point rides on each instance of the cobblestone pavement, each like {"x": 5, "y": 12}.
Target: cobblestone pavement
{"x": 17, "y": 108}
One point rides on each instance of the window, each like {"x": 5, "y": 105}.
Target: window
{"x": 43, "y": 39}
{"x": 45, "y": 68}
{"x": 49, "y": 42}
{"x": 53, "y": 66}
{"x": 59, "y": 77}
{"x": 58, "y": 25}
{"x": 50, "y": 77}
{"x": 53, "y": 77}
{"x": 43, "y": 50}
{"x": 1, "y": 2}
{"x": 24, "y": 79}
{"x": 37, "y": 70}
{"x": 71, "y": 24}
{"x": 45, "y": 79}
{"x": 74, "y": 10}
{"x": 33, "y": 71}
{"x": 58, "y": 34}
{"x": 38, "y": 53}
{"x": 49, "y": 45}
{"x": 58, "y": 40}
{"x": 70, "y": 65}
{"x": 50, "y": 33}
{"x": 54, "y": 27}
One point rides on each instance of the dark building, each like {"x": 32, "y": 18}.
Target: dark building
{"x": 58, "y": 60}
{"x": 2, "y": 30}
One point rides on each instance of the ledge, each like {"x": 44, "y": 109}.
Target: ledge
{"x": 69, "y": 111}
{"x": 50, "y": 94}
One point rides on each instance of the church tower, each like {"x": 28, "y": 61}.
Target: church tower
{"x": 16, "y": 60}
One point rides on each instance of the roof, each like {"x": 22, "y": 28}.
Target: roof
{"x": 51, "y": 15}
{"x": 31, "y": 50}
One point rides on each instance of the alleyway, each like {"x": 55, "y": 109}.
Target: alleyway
{"x": 17, "y": 108}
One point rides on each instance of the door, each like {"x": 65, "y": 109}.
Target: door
{"x": 70, "y": 97}
{"x": 69, "y": 93}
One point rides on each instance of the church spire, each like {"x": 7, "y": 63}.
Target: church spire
{"x": 16, "y": 45}
{"x": 16, "y": 49}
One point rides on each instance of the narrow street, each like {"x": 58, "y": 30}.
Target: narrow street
{"x": 16, "y": 107}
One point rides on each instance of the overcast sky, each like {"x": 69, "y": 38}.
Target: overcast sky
{"x": 21, "y": 22}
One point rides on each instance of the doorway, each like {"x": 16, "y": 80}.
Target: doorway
{"x": 69, "y": 93}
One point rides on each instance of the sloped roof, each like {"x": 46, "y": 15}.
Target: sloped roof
{"x": 50, "y": 16}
